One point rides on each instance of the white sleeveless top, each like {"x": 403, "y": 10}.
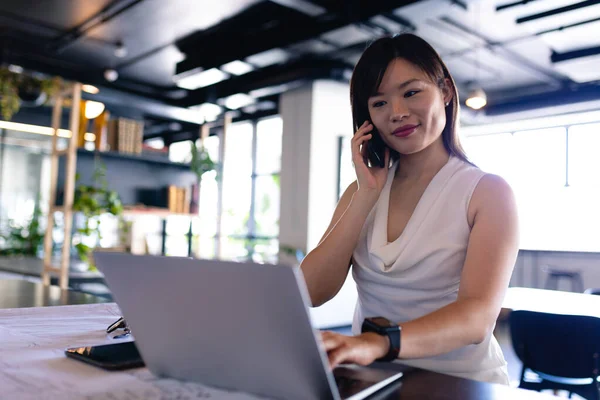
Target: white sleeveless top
{"x": 420, "y": 271}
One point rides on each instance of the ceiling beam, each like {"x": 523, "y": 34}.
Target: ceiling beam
{"x": 113, "y": 95}
{"x": 280, "y": 35}
{"x": 557, "y": 11}
{"x": 26, "y": 52}
{"x": 513, "y": 4}
{"x": 570, "y": 55}
{"x": 579, "y": 94}
{"x": 307, "y": 69}
{"x": 517, "y": 59}
{"x": 110, "y": 11}
{"x": 303, "y": 6}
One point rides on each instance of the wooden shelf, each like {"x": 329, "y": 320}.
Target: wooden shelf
{"x": 153, "y": 211}
{"x": 136, "y": 211}
{"x": 145, "y": 158}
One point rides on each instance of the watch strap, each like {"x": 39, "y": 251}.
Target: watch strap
{"x": 392, "y": 332}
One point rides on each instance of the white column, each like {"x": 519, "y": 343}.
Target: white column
{"x": 314, "y": 117}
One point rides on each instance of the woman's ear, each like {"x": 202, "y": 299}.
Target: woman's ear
{"x": 448, "y": 90}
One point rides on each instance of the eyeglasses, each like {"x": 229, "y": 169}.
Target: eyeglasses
{"x": 117, "y": 325}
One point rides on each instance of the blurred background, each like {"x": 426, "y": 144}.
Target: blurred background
{"x": 221, "y": 129}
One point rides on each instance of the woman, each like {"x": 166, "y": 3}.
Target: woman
{"x": 431, "y": 238}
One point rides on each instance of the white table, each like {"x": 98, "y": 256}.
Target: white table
{"x": 33, "y": 364}
{"x": 551, "y": 301}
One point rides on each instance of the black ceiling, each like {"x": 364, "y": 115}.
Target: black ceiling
{"x": 524, "y": 53}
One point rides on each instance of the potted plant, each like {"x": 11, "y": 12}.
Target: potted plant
{"x": 92, "y": 201}
{"x": 200, "y": 161}
{"x": 200, "y": 164}
{"x": 24, "y": 240}
{"x": 18, "y": 89}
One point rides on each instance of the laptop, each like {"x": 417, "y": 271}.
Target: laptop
{"x": 237, "y": 326}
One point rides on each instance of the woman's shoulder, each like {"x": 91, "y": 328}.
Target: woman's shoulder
{"x": 465, "y": 174}
{"x": 493, "y": 192}
{"x": 492, "y": 185}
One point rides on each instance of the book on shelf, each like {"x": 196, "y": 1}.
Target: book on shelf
{"x": 172, "y": 199}
{"x": 178, "y": 199}
{"x": 125, "y": 135}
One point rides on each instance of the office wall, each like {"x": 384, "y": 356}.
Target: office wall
{"x": 529, "y": 268}
{"x": 314, "y": 117}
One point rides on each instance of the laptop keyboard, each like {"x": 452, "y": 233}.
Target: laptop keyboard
{"x": 346, "y": 385}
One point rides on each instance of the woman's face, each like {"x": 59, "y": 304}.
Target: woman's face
{"x": 408, "y": 109}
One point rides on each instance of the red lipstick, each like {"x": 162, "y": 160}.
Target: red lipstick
{"x": 405, "y": 130}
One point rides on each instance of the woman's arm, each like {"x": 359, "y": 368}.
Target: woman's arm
{"x": 491, "y": 254}
{"x": 325, "y": 268}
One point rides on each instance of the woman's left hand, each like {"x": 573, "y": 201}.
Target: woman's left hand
{"x": 362, "y": 349}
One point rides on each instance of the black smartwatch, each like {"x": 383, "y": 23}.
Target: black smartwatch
{"x": 385, "y": 327}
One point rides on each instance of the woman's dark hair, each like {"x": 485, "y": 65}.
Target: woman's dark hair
{"x": 371, "y": 67}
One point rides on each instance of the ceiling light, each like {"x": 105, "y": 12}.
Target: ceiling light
{"x": 90, "y": 89}
{"x": 111, "y": 75}
{"x": 238, "y": 101}
{"x": 174, "y": 126}
{"x": 347, "y": 36}
{"x": 15, "y": 69}
{"x": 93, "y": 109}
{"x": 121, "y": 50}
{"x": 268, "y": 91}
{"x": 155, "y": 143}
{"x": 42, "y": 130}
{"x": 269, "y": 57}
{"x": 477, "y": 99}
{"x": 251, "y": 109}
{"x": 208, "y": 111}
{"x": 201, "y": 79}
{"x": 237, "y": 67}
{"x": 304, "y": 6}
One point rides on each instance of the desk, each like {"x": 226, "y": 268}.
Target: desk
{"x": 551, "y": 301}
{"x": 15, "y": 293}
{"x": 32, "y": 362}
{"x": 31, "y": 266}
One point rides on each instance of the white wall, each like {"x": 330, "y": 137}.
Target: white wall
{"x": 314, "y": 117}
{"x": 529, "y": 268}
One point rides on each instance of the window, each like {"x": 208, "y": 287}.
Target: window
{"x": 24, "y": 178}
{"x": 204, "y": 228}
{"x": 237, "y": 180}
{"x": 250, "y": 195}
{"x": 540, "y": 158}
{"x": 584, "y": 163}
{"x": 266, "y": 177}
{"x": 180, "y": 151}
{"x": 491, "y": 152}
{"x": 553, "y": 172}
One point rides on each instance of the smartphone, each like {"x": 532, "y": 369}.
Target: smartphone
{"x": 375, "y": 150}
{"x": 116, "y": 356}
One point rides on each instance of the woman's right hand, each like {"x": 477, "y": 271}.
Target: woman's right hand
{"x": 369, "y": 179}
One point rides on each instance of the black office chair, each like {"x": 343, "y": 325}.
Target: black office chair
{"x": 559, "y": 352}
